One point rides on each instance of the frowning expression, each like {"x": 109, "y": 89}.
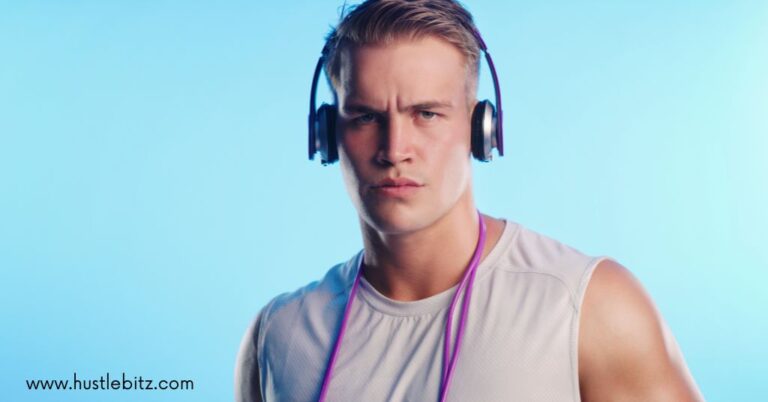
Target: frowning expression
{"x": 403, "y": 132}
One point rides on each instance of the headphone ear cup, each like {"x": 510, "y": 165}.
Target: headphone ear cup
{"x": 483, "y": 130}
{"x": 326, "y": 134}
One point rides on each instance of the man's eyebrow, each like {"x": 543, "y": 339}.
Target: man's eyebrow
{"x": 430, "y": 105}
{"x": 359, "y": 108}
{"x": 355, "y": 107}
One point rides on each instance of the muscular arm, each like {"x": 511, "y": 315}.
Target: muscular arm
{"x": 247, "y": 388}
{"x": 626, "y": 351}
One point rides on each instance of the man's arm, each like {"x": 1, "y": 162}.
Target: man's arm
{"x": 247, "y": 388}
{"x": 626, "y": 351}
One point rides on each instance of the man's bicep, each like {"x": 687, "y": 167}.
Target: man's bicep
{"x": 247, "y": 387}
{"x": 626, "y": 353}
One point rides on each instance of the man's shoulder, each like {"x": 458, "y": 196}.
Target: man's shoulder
{"x": 532, "y": 252}
{"x": 625, "y": 346}
{"x": 533, "y": 249}
{"x": 318, "y": 292}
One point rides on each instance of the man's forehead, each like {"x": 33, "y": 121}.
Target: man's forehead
{"x": 361, "y": 100}
{"x": 361, "y": 105}
{"x": 418, "y": 70}
{"x": 402, "y": 51}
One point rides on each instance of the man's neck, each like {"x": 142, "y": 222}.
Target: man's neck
{"x": 420, "y": 264}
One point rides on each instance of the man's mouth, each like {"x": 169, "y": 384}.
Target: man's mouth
{"x": 396, "y": 187}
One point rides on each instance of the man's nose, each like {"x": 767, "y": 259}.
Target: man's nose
{"x": 395, "y": 144}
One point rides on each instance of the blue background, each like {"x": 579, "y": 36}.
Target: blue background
{"x": 155, "y": 192}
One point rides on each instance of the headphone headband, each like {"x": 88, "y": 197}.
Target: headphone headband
{"x": 496, "y": 90}
{"x": 312, "y": 110}
{"x": 497, "y": 95}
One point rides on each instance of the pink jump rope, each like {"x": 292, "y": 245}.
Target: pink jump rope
{"x": 449, "y": 363}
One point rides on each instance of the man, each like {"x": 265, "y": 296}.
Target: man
{"x": 536, "y": 320}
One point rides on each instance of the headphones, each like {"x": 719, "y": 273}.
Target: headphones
{"x": 486, "y": 120}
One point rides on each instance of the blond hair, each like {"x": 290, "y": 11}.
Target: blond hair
{"x": 376, "y": 22}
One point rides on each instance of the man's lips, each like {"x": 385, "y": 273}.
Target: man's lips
{"x": 396, "y": 187}
{"x": 397, "y": 182}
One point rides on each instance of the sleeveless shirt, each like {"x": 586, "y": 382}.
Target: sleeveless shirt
{"x": 520, "y": 344}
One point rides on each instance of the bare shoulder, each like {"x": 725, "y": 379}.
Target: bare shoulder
{"x": 626, "y": 351}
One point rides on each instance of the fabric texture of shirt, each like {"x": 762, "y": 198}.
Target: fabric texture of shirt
{"x": 520, "y": 341}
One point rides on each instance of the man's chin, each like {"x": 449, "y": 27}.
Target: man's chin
{"x": 394, "y": 220}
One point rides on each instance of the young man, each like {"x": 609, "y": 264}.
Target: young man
{"x": 534, "y": 319}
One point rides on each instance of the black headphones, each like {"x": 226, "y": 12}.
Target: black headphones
{"x": 486, "y": 120}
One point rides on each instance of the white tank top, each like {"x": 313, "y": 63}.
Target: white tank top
{"x": 520, "y": 344}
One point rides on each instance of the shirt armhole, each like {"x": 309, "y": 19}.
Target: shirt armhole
{"x": 579, "y": 299}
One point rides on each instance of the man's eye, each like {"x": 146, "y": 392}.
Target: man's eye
{"x": 364, "y": 119}
{"x": 427, "y": 115}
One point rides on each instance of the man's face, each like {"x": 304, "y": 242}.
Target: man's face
{"x": 404, "y": 116}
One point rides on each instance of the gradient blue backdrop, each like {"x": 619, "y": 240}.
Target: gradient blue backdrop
{"x": 155, "y": 192}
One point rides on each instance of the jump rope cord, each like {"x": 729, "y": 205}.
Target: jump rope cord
{"x": 468, "y": 282}
{"x": 448, "y": 366}
{"x": 337, "y": 345}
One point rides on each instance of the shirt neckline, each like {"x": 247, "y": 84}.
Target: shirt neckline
{"x": 437, "y": 302}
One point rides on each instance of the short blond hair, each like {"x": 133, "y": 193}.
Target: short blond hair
{"x": 376, "y": 22}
